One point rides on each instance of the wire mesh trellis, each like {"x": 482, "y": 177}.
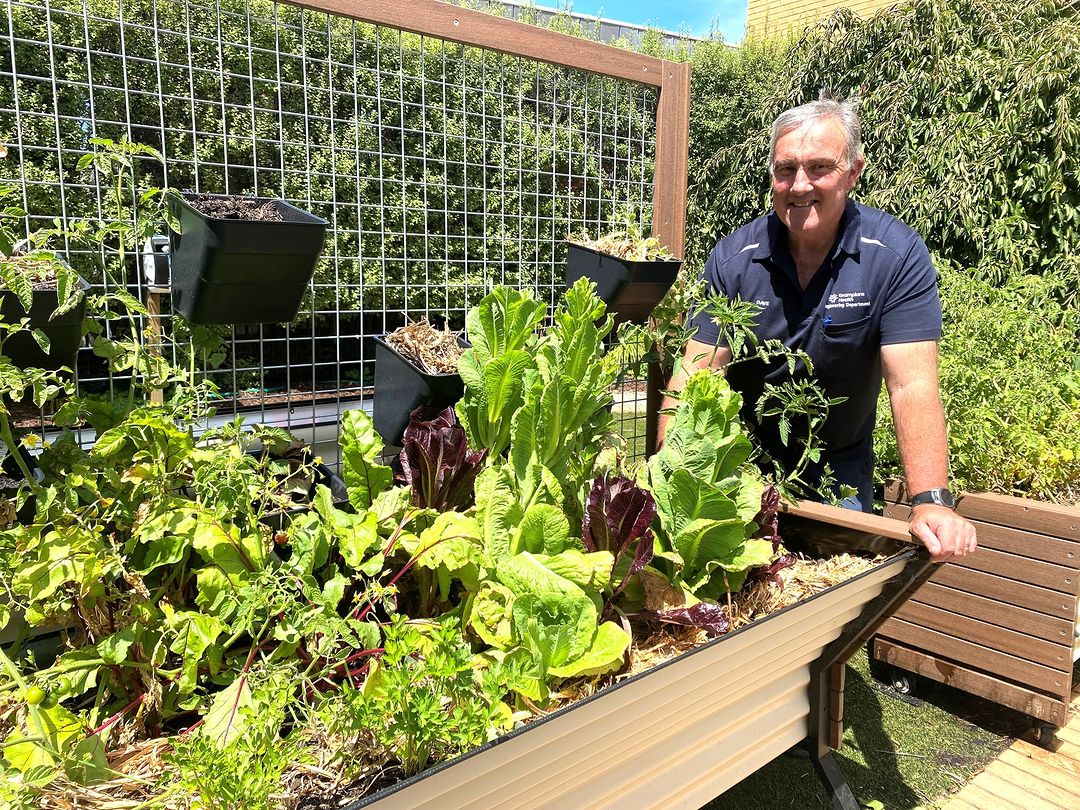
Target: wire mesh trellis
{"x": 441, "y": 168}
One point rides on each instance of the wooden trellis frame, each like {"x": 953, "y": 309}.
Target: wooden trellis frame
{"x": 671, "y": 79}
{"x": 468, "y": 27}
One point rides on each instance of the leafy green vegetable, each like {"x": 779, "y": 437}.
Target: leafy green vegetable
{"x": 567, "y": 396}
{"x": 360, "y": 447}
{"x": 424, "y": 699}
{"x": 706, "y": 501}
{"x": 493, "y": 368}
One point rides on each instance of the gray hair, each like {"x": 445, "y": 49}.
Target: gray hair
{"x": 843, "y": 112}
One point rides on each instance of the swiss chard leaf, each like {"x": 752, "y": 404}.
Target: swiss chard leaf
{"x": 193, "y": 633}
{"x": 360, "y": 447}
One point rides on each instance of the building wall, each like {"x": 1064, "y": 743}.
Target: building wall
{"x": 780, "y": 16}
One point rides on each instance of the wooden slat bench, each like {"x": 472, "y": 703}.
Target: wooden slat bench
{"x": 1001, "y": 623}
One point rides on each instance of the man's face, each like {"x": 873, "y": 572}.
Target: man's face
{"x": 811, "y": 179}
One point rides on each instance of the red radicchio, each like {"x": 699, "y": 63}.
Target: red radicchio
{"x": 771, "y": 573}
{"x": 767, "y": 517}
{"x": 711, "y": 618}
{"x": 768, "y": 521}
{"x": 436, "y": 461}
{"x": 617, "y": 517}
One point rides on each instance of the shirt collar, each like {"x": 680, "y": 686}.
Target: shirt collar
{"x": 774, "y": 237}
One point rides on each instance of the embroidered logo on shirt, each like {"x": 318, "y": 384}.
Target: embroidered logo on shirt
{"x": 848, "y": 300}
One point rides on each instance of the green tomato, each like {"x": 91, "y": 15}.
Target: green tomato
{"x": 50, "y": 700}
{"x": 34, "y": 695}
{"x": 63, "y": 685}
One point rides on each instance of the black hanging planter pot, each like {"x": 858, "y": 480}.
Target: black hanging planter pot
{"x": 65, "y": 331}
{"x": 401, "y": 387}
{"x": 234, "y": 271}
{"x": 631, "y": 289}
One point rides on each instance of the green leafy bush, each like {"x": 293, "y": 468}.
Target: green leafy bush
{"x": 1010, "y": 380}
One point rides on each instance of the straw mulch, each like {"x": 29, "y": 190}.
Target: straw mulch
{"x": 661, "y": 642}
{"x": 140, "y": 766}
{"x": 431, "y": 350}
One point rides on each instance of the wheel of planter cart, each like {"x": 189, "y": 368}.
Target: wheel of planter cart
{"x": 902, "y": 681}
{"x": 1044, "y": 734}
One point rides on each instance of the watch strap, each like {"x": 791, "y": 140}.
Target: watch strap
{"x": 941, "y": 496}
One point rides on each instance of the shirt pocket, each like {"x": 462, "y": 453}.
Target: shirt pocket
{"x": 843, "y": 348}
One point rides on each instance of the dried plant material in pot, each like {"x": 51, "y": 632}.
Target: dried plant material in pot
{"x": 626, "y": 246}
{"x": 431, "y": 350}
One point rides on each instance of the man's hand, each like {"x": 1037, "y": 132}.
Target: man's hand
{"x": 945, "y": 534}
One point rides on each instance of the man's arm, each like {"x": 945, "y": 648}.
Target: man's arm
{"x": 696, "y": 356}
{"x": 911, "y": 377}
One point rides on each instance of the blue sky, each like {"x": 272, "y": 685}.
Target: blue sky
{"x": 699, "y": 16}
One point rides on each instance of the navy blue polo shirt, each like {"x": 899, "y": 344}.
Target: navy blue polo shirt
{"x": 876, "y": 287}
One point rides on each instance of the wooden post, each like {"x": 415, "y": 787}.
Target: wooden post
{"x": 669, "y": 203}
{"x": 672, "y": 157}
{"x": 153, "y": 332}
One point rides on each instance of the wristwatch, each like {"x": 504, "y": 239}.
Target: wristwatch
{"x": 940, "y": 496}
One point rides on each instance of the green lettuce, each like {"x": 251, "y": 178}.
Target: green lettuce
{"x": 495, "y": 365}
{"x": 706, "y": 499}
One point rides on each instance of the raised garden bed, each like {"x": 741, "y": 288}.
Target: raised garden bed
{"x": 685, "y": 731}
{"x": 513, "y": 565}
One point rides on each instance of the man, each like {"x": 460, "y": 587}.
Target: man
{"x": 855, "y": 289}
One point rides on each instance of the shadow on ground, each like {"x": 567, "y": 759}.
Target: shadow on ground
{"x": 902, "y": 751}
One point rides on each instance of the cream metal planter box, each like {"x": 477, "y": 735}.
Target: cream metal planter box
{"x": 685, "y": 731}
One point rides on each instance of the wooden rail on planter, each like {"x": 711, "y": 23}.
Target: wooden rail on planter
{"x": 1002, "y": 623}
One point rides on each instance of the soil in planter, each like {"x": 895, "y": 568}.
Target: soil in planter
{"x": 431, "y": 350}
{"x": 235, "y": 208}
